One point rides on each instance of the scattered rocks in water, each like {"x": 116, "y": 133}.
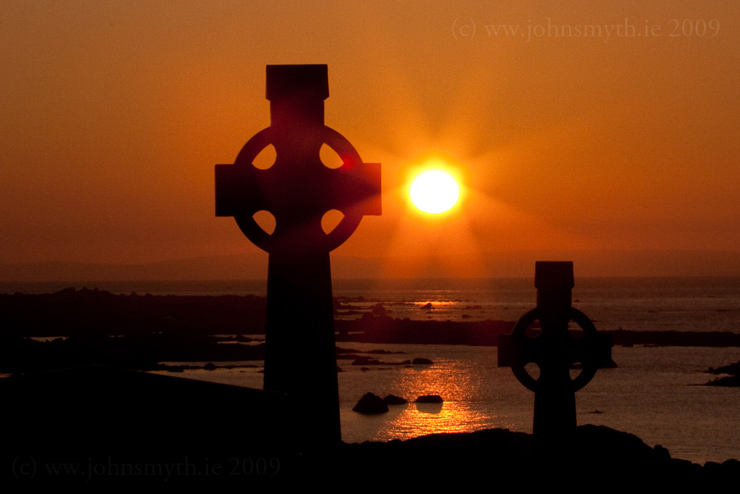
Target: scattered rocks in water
{"x": 421, "y": 361}
{"x": 366, "y": 361}
{"x": 394, "y": 400}
{"x": 429, "y": 399}
{"x": 370, "y": 404}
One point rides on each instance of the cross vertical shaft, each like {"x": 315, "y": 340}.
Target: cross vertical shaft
{"x": 554, "y": 398}
{"x": 300, "y": 357}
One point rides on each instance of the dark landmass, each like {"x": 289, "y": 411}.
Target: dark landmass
{"x": 133, "y": 351}
{"x": 84, "y": 311}
{"x": 73, "y": 311}
{"x": 674, "y": 338}
{"x": 151, "y": 352}
{"x": 726, "y": 369}
{"x": 142, "y": 331}
{"x": 731, "y": 381}
{"x": 383, "y": 329}
{"x": 596, "y": 457}
{"x": 727, "y": 381}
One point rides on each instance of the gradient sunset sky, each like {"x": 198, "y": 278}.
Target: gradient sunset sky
{"x": 618, "y": 151}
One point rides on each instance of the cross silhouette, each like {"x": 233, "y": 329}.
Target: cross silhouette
{"x": 298, "y": 189}
{"x": 555, "y": 350}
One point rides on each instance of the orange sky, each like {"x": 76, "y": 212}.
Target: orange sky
{"x": 612, "y": 151}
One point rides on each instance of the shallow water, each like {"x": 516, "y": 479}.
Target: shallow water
{"x": 656, "y": 393}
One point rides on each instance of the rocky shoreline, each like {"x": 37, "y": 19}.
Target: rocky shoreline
{"x": 81, "y": 327}
{"x": 84, "y": 312}
{"x": 596, "y": 457}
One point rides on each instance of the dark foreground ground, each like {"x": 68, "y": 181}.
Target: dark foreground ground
{"x": 99, "y": 425}
{"x": 595, "y": 458}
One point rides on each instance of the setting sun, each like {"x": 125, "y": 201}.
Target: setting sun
{"x": 434, "y": 191}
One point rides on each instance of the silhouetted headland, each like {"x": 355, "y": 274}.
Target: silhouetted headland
{"x": 141, "y": 331}
{"x": 732, "y": 379}
{"x": 91, "y": 311}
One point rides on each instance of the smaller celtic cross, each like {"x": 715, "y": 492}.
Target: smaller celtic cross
{"x": 555, "y": 350}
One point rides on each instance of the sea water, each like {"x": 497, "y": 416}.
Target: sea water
{"x": 656, "y": 393}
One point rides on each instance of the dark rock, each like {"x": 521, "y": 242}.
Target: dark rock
{"x": 379, "y": 311}
{"x": 394, "y": 400}
{"x": 366, "y": 361}
{"x": 421, "y": 361}
{"x": 733, "y": 369}
{"x": 429, "y": 399}
{"x": 370, "y": 404}
{"x": 210, "y": 366}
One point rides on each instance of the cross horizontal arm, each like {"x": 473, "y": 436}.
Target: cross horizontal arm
{"x": 237, "y": 191}
{"x": 245, "y": 189}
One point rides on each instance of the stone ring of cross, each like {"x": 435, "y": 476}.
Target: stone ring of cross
{"x": 342, "y": 179}
{"x": 565, "y": 352}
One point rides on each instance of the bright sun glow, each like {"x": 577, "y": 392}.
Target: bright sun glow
{"x": 434, "y": 191}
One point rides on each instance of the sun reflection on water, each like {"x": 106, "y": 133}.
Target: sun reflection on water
{"x": 460, "y": 386}
{"x": 424, "y": 418}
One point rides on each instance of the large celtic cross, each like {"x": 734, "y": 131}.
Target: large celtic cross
{"x": 298, "y": 189}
